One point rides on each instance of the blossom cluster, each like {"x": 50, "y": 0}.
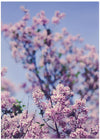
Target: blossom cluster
{"x": 60, "y": 118}
{"x": 6, "y": 101}
{"x": 23, "y": 126}
{"x": 70, "y": 120}
{"x": 7, "y": 85}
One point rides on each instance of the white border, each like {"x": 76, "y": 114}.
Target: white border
{"x": 50, "y": 1}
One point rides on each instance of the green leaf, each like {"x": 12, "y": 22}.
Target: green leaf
{"x": 37, "y": 122}
{"x": 37, "y": 72}
{"x": 64, "y": 68}
{"x": 60, "y": 54}
{"x": 13, "y": 32}
{"x": 73, "y": 81}
{"x": 38, "y": 30}
{"x": 68, "y": 75}
{"x": 42, "y": 124}
{"x": 45, "y": 41}
{"x": 2, "y": 89}
{"x": 18, "y": 106}
{"x": 77, "y": 74}
{"x": 23, "y": 105}
{"x": 18, "y": 101}
{"x": 41, "y": 67}
{"x": 47, "y": 85}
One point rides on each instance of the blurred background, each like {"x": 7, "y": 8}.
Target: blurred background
{"x": 81, "y": 18}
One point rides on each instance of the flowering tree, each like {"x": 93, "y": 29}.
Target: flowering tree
{"x": 56, "y": 68}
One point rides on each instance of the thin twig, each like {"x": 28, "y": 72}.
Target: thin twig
{"x": 49, "y": 125}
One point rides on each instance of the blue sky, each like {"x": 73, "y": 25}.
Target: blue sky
{"x": 81, "y": 18}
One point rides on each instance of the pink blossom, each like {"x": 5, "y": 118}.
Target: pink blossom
{"x": 55, "y": 20}
{"x": 64, "y": 31}
{"x": 7, "y": 85}
{"x": 7, "y": 101}
{"x": 31, "y": 67}
{"x": 24, "y": 9}
{"x": 3, "y": 71}
{"x": 57, "y": 37}
{"x": 5, "y": 27}
{"x": 26, "y": 17}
